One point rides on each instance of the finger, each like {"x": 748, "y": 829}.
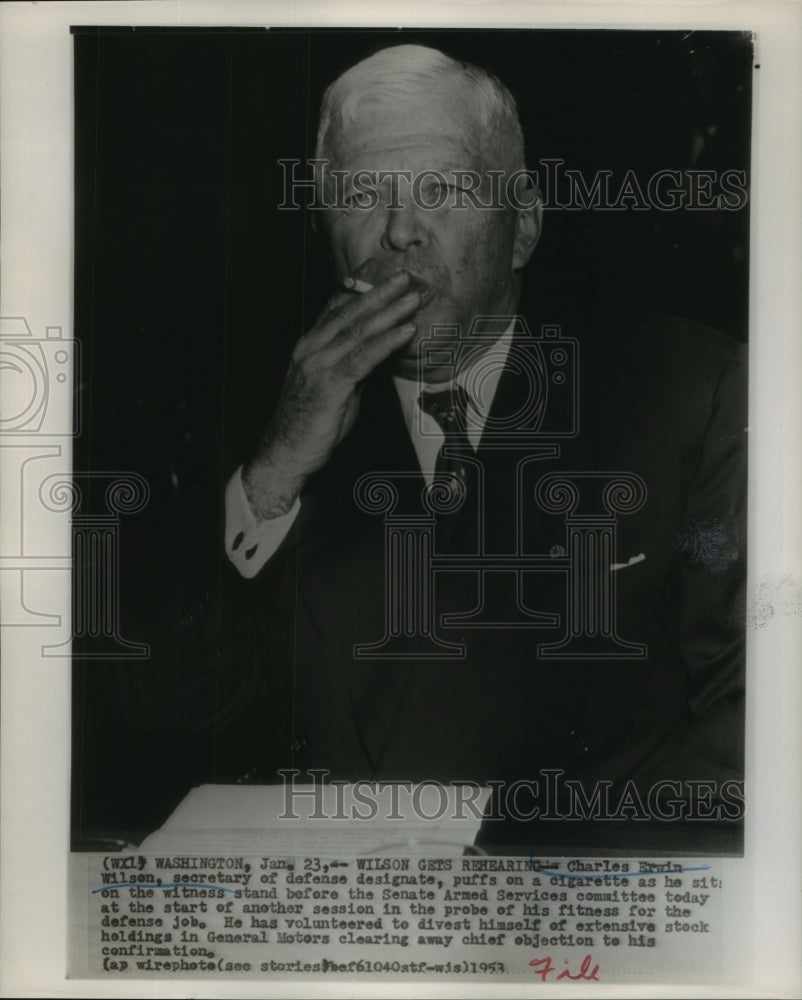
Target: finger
{"x": 351, "y": 304}
{"x": 347, "y": 307}
{"x": 365, "y": 327}
{"x": 352, "y": 409}
{"x": 358, "y": 363}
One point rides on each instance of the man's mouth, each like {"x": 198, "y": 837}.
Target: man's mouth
{"x": 427, "y": 291}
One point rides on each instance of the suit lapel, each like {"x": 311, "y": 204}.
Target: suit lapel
{"x": 342, "y": 569}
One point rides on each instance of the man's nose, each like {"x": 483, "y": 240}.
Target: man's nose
{"x": 404, "y": 228}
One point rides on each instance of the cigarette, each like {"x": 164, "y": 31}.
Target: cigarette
{"x": 355, "y": 285}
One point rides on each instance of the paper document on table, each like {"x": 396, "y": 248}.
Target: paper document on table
{"x": 332, "y": 819}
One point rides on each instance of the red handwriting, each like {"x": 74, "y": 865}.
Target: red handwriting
{"x": 542, "y": 967}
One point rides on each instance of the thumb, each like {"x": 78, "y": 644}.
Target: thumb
{"x": 351, "y": 410}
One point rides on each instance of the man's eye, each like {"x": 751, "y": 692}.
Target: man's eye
{"x": 451, "y": 185}
{"x": 441, "y": 194}
{"x": 360, "y": 199}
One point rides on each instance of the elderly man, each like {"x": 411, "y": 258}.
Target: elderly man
{"x": 499, "y": 684}
{"x": 406, "y": 113}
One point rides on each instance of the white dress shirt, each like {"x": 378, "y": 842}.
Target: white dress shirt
{"x": 250, "y": 542}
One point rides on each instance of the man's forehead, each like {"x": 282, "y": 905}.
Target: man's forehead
{"x": 405, "y": 124}
{"x": 358, "y": 142}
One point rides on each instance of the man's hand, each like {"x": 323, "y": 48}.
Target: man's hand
{"x": 320, "y": 397}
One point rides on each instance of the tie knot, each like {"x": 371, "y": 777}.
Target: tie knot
{"x": 449, "y": 408}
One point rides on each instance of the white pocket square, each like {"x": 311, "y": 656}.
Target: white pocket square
{"x": 632, "y": 562}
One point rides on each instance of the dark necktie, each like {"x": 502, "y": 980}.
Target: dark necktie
{"x": 454, "y": 468}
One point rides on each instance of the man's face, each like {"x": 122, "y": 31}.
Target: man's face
{"x": 467, "y": 257}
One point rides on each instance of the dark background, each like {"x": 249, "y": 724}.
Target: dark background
{"x": 191, "y": 288}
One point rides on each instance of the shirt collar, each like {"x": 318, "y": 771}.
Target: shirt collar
{"x": 481, "y": 392}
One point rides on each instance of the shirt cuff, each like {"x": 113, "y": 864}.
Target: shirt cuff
{"x": 249, "y": 542}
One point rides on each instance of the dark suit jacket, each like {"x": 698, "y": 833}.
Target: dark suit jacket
{"x": 661, "y": 398}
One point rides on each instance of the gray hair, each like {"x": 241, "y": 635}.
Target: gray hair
{"x": 409, "y": 71}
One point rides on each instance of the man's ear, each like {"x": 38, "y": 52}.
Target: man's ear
{"x": 528, "y": 223}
